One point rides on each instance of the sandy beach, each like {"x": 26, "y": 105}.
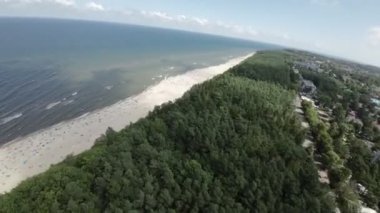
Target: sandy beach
{"x": 33, "y": 154}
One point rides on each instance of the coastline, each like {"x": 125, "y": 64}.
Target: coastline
{"x": 30, "y": 155}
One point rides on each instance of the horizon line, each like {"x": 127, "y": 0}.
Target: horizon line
{"x": 279, "y": 46}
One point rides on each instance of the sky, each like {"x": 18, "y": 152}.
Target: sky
{"x": 345, "y": 28}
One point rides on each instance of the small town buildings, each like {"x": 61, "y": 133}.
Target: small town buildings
{"x": 304, "y": 98}
{"x": 308, "y": 88}
{"x": 323, "y": 176}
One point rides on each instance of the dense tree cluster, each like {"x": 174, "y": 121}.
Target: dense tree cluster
{"x": 270, "y": 67}
{"x": 366, "y": 171}
{"x": 324, "y": 142}
{"x": 328, "y": 88}
{"x": 231, "y": 144}
{"x": 332, "y": 152}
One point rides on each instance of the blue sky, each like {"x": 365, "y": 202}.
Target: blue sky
{"x": 345, "y": 28}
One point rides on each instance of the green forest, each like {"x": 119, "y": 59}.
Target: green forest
{"x": 231, "y": 144}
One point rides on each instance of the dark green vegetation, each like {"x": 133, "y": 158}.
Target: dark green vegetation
{"x": 328, "y": 88}
{"x": 365, "y": 171}
{"x": 328, "y": 152}
{"x": 324, "y": 142}
{"x": 271, "y": 67}
{"x": 231, "y": 144}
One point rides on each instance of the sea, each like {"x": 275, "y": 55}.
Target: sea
{"x": 52, "y": 70}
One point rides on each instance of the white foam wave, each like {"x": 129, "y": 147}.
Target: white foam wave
{"x": 74, "y": 93}
{"x": 51, "y": 105}
{"x": 10, "y": 118}
{"x": 109, "y": 87}
{"x": 68, "y": 102}
{"x": 84, "y": 115}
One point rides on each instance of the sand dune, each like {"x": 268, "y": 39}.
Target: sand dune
{"x": 33, "y": 154}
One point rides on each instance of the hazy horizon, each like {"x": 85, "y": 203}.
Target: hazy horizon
{"x": 190, "y": 31}
{"x": 345, "y": 29}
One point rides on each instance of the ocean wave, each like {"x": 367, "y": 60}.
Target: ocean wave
{"x": 51, "y": 105}
{"x": 74, "y": 93}
{"x": 67, "y": 102}
{"x": 84, "y": 115}
{"x": 10, "y": 118}
{"x": 109, "y": 87}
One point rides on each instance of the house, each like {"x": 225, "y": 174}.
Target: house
{"x": 369, "y": 144}
{"x": 323, "y": 115}
{"x": 354, "y": 120}
{"x": 362, "y": 189}
{"x": 375, "y": 101}
{"x": 367, "y": 210}
{"x": 376, "y": 157}
{"x": 352, "y": 117}
{"x": 305, "y": 125}
{"x": 304, "y": 98}
{"x": 308, "y": 88}
{"x": 299, "y": 111}
{"x": 376, "y": 124}
{"x": 297, "y": 102}
{"x": 307, "y": 143}
{"x": 307, "y": 65}
{"x": 323, "y": 176}
{"x": 346, "y": 78}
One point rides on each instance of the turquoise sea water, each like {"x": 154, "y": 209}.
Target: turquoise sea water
{"x": 53, "y": 70}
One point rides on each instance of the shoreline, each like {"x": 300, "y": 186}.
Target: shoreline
{"x": 34, "y": 153}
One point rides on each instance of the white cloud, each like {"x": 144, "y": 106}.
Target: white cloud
{"x": 94, "y": 6}
{"x": 200, "y": 24}
{"x": 65, "y": 2}
{"x": 201, "y": 21}
{"x": 30, "y": 2}
{"x": 158, "y": 15}
{"x": 161, "y": 15}
{"x": 237, "y": 29}
{"x": 181, "y": 18}
{"x": 374, "y": 36}
{"x": 63, "y": 8}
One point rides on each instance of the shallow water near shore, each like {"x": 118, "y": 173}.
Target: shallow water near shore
{"x": 57, "y": 70}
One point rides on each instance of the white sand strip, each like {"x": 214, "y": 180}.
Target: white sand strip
{"x": 33, "y": 154}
